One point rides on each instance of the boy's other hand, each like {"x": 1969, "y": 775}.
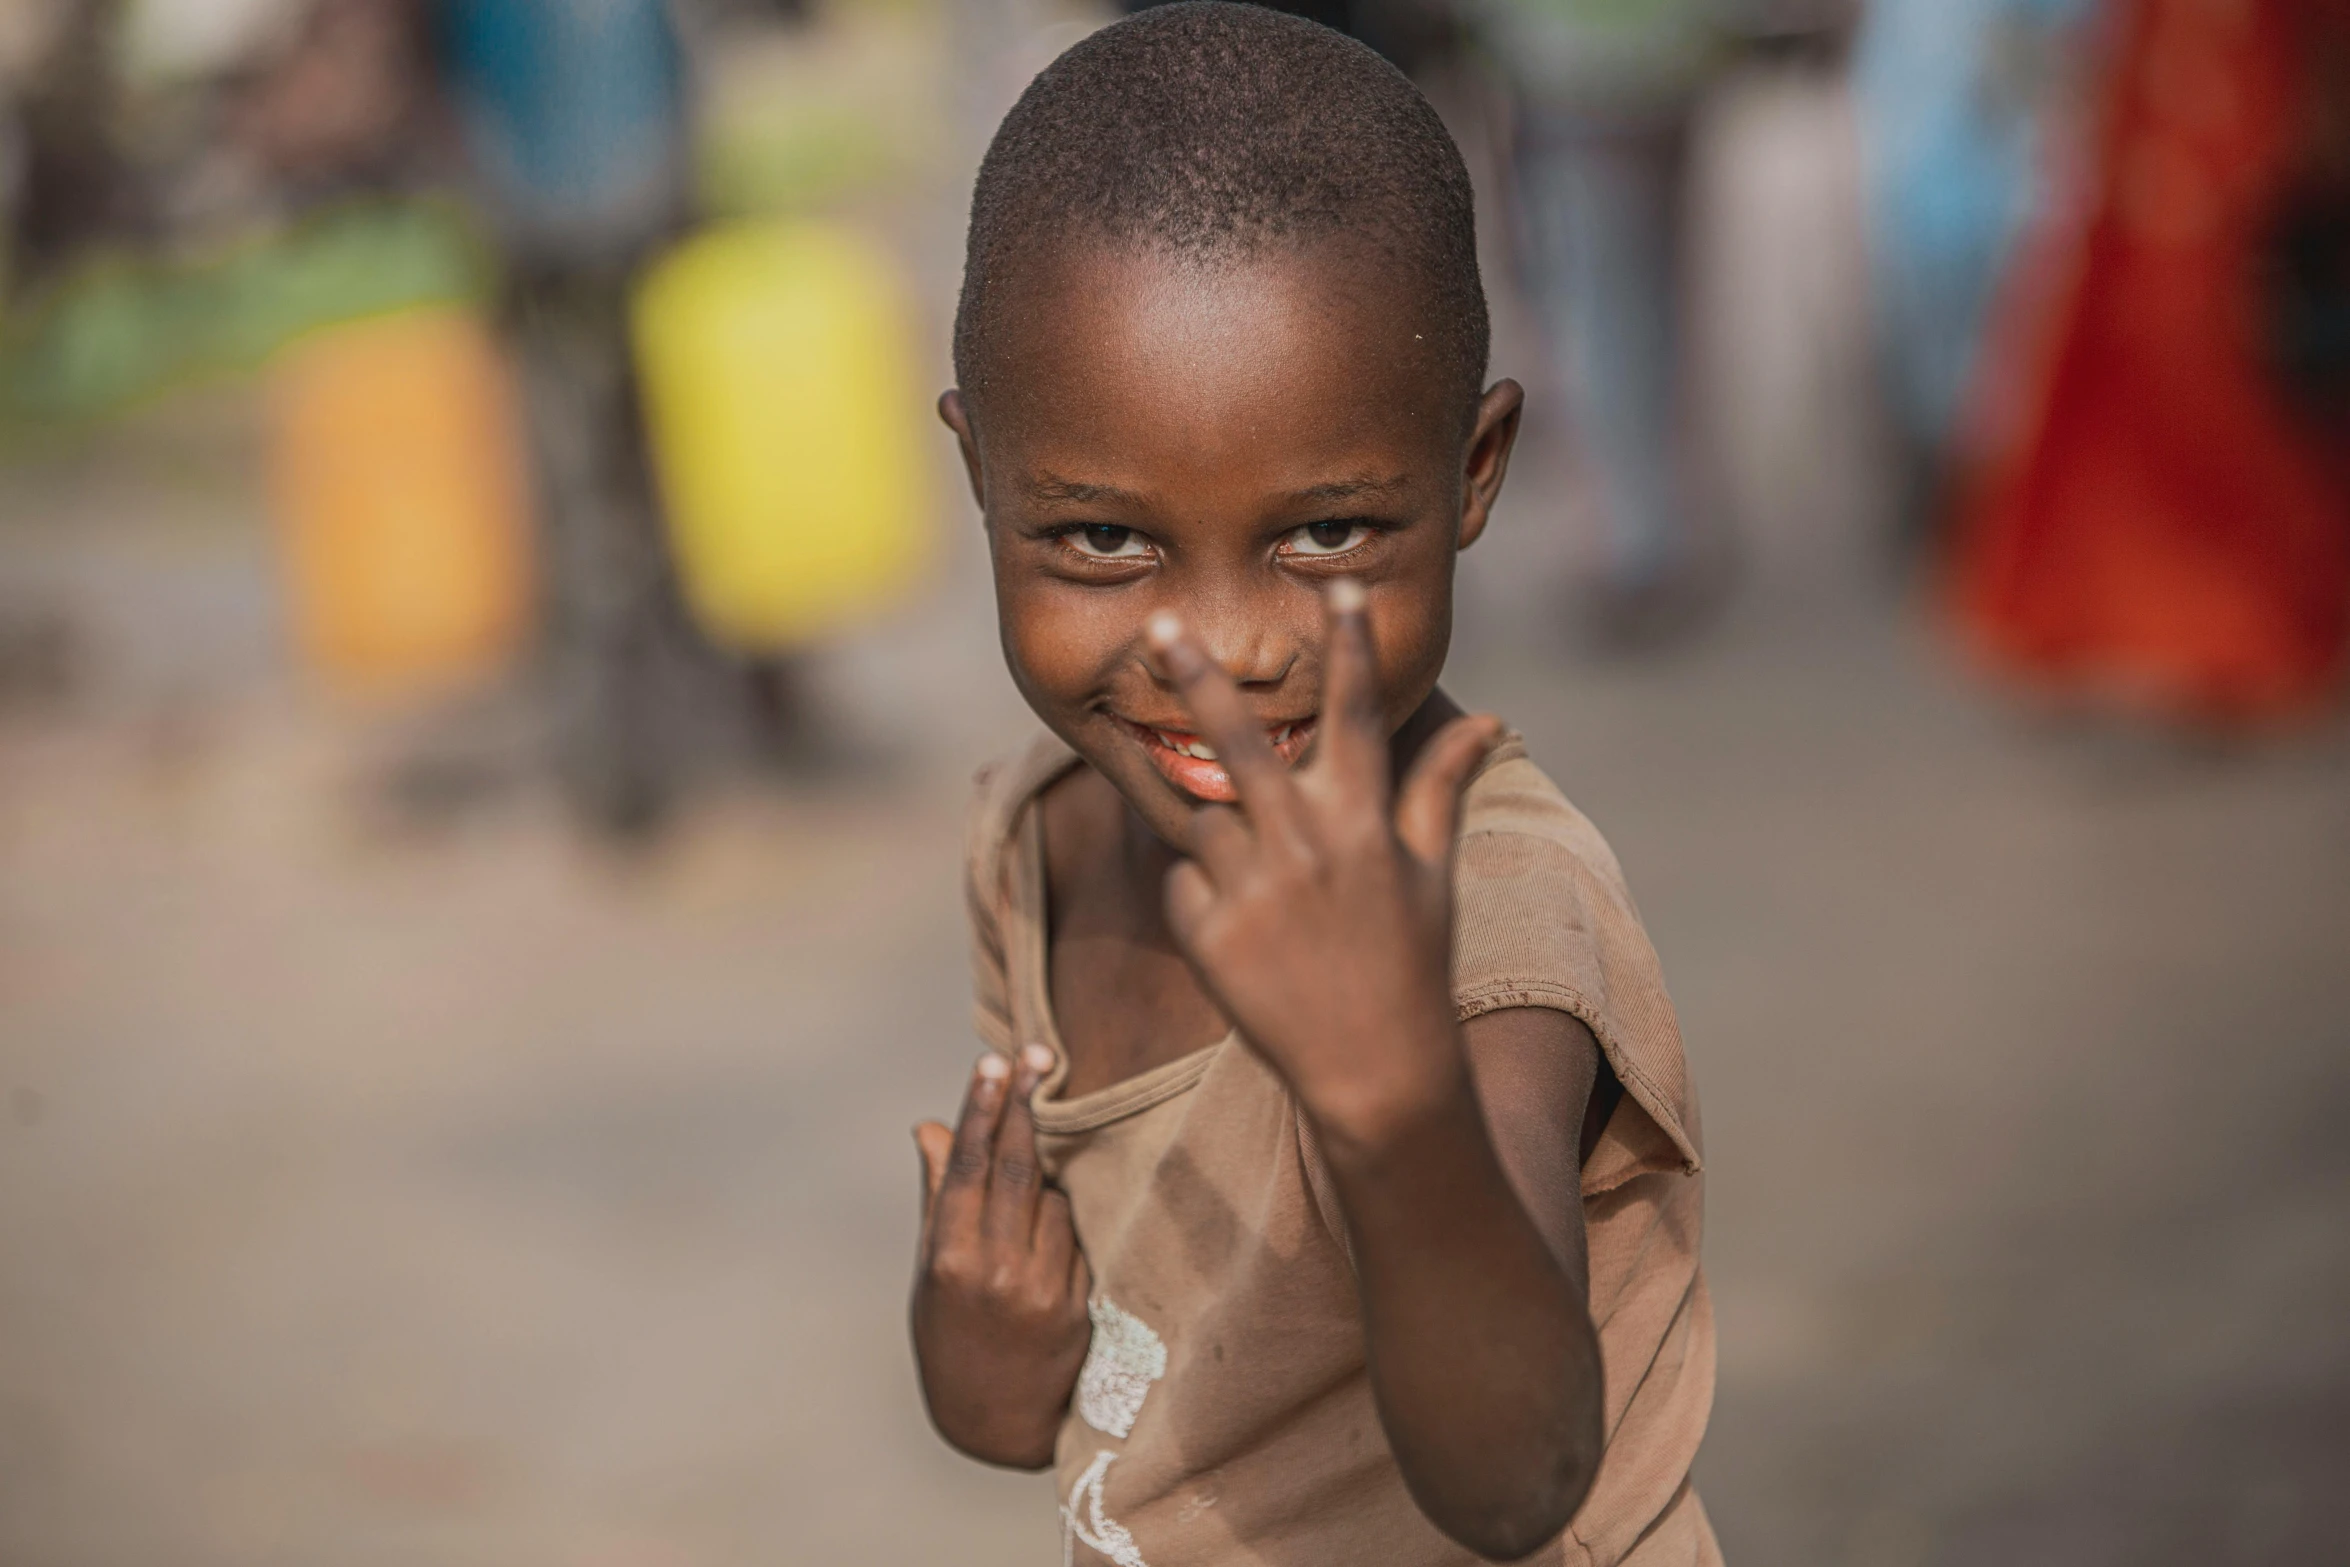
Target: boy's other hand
{"x": 999, "y": 1318}
{"x": 1319, "y": 913}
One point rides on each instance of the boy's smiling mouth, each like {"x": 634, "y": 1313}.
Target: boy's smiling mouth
{"x": 1191, "y": 765}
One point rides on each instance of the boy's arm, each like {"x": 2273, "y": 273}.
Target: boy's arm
{"x": 1466, "y": 1225}
{"x": 998, "y": 1315}
{"x": 1319, "y": 917}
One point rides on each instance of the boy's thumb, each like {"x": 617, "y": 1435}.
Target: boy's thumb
{"x": 934, "y": 1142}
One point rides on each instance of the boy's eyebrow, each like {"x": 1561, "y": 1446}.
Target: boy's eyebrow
{"x": 1348, "y": 489}
{"x": 1049, "y": 487}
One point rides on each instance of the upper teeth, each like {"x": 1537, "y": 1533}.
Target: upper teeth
{"x": 1183, "y": 746}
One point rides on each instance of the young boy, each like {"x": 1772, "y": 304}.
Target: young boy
{"x": 1329, "y": 1193}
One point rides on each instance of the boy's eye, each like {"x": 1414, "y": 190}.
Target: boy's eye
{"x": 1325, "y": 538}
{"x": 1107, "y": 541}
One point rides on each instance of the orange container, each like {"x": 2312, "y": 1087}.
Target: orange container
{"x": 398, "y": 474}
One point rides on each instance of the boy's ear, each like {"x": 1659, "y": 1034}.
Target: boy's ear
{"x": 957, "y": 418}
{"x": 1491, "y": 439}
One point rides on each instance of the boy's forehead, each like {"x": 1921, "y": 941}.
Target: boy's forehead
{"x": 1042, "y": 486}
{"x": 1107, "y": 354}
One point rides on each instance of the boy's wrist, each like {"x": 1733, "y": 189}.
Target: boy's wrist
{"x": 1367, "y": 1119}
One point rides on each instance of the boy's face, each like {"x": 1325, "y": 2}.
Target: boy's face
{"x": 1220, "y": 441}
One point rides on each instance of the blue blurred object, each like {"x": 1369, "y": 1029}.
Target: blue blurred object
{"x": 1954, "y": 99}
{"x": 575, "y": 116}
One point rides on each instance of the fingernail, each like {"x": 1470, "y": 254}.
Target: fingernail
{"x": 1347, "y": 596}
{"x": 1177, "y": 658}
{"x": 1037, "y": 1059}
{"x": 994, "y": 1067}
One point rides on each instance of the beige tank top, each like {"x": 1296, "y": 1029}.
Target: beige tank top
{"x": 1224, "y": 1412}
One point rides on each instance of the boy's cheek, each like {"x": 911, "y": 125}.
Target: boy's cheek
{"x": 1409, "y": 643}
{"x": 1064, "y": 663}
{"x": 1056, "y": 659}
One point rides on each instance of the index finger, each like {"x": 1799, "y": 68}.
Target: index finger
{"x": 1013, "y": 1184}
{"x": 1223, "y": 717}
{"x": 1351, "y": 736}
{"x": 963, "y": 1188}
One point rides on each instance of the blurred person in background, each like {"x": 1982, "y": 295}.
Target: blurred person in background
{"x": 58, "y": 176}
{"x": 2308, "y": 271}
{"x": 348, "y": 104}
{"x": 62, "y": 179}
{"x": 2159, "y": 517}
{"x": 1603, "y": 93}
{"x": 567, "y": 125}
{"x": 166, "y": 132}
{"x": 576, "y": 123}
{"x": 204, "y": 185}
{"x": 1963, "y": 106}
{"x": 579, "y": 122}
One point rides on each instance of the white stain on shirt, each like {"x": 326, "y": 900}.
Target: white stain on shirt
{"x": 1084, "y": 1523}
{"x": 1126, "y": 1357}
{"x": 1122, "y": 1362}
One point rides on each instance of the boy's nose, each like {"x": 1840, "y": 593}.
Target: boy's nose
{"x": 1251, "y": 650}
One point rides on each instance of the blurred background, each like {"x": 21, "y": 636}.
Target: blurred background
{"x": 493, "y": 648}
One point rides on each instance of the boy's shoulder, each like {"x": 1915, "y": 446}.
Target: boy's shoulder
{"x": 1543, "y": 918}
{"x": 1002, "y": 789}
{"x": 1539, "y": 901}
{"x": 1510, "y": 795}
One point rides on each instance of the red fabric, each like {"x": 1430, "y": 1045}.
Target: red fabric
{"x": 2159, "y": 522}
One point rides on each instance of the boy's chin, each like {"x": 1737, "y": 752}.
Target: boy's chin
{"x": 1165, "y": 808}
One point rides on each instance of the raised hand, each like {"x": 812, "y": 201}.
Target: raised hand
{"x": 1319, "y": 912}
{"x": 999, "y": 1317}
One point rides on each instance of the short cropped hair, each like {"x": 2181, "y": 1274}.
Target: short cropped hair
{"x": 1212, "y": 130}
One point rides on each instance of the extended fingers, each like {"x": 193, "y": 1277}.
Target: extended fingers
{"x": 1016, "y": 1179}
{"x": 1352, "y": 740}
{"x": 1428, "y": 811}
{"x": 1222, "y": 714}
{"x": 962, "y": 1187}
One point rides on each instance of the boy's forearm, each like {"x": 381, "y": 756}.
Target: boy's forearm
{"x": 1481, "y": 1349}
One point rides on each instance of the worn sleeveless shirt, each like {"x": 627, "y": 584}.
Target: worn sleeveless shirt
{"x": 1224, "y": 1412}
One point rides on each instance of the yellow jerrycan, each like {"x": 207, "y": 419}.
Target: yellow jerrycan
{"x": 786, "y": 426}
{"x": 398, "y": 473}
